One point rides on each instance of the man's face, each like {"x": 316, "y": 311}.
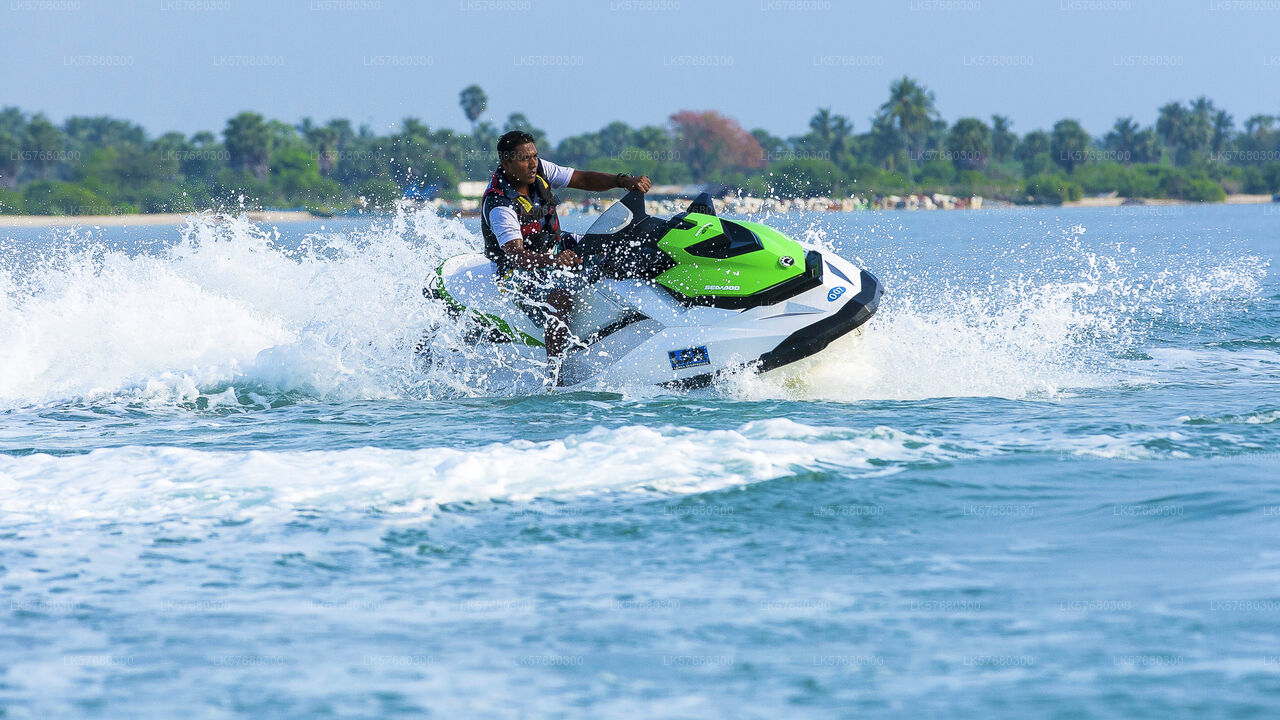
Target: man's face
{"x": 522, "y": 166}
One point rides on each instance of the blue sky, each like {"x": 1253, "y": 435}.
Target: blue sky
{"x": 188, "y": 65}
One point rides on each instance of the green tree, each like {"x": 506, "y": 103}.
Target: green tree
{"x": 911, "y": 107}
{"x": 248, "y": 142}
{"x": 652, "y": 138}
{"x": 202, "y": 158}
{"x": 804, "y": 177}
{"x": 295, "y": 177}
{"x": 883, "y": 144}
{"x": 323, "y": 140}
{"x": 50, "y": 197}
{"x": 1200, "y": 129}
{"x": 1259, "y": 140}
{"x": 841, "y": 135}
{"x": 1222, "y": 132}
{"x": 1147, "y": 147}
{"x": 771, "y": 145}
{"x": 377, "y": 194}
{"x": 45, "y": 144}
{"x": 414, "y": 159}
{"x": 482, "y": 152}
{"x": 1003, "y": 139}
{"x": 518, "y": 121}
{"x": 614, "y": 138}
{"x": 1068, "y": 144}
{"x": 1188, "y": 131}
{"x": 10, "y": 160}
{"x": 103, "y": 131}
{"x": 829, "y": 133}
{"x": 342, "y": 130}
{"x": 1033, "y": 153}
{"x": 1122, "y": 140}
{"x": 969, "y": 144}
{"x": 1171, "y": 126}
{"x": 13, "y": 121}
{"x": 578, "y": 150}
{"x": 1053, "y": 188}
{"x": 473, "y": 102}
{"x": 11, "y": 202}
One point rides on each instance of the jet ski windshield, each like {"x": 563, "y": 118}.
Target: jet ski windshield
{"x": 617, "y": 217}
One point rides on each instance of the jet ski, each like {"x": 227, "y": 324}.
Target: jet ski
{"x": 676, "y": 302}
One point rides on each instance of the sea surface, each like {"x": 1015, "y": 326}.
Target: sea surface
{"x": 1043, "y": 482}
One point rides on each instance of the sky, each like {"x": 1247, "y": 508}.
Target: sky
{"x": 573, "y": 67}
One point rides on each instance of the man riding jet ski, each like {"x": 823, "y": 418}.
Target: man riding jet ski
{"x": 672, "y": 302}
{"x": 522, "y": 235}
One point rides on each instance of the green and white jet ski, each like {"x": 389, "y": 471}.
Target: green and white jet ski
{"x": 674, "y": 302}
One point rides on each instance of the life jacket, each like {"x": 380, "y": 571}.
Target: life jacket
{"x": 539, "y": 223}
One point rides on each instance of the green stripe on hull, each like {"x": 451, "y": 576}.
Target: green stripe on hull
{"x": 498, "y": 323}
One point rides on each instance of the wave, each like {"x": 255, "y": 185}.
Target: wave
{"x": 156, "y": 483}
{"x": 144, "y": 484}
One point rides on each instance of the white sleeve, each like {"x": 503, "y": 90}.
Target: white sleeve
{"x": 504, "y": 223}
{"x": 558, "y": 176}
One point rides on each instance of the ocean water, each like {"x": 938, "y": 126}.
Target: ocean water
{"x": 1041, "y": 482}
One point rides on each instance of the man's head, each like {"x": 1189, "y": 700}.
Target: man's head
{"x": 518, "y": 156}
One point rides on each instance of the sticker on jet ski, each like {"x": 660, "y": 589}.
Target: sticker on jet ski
{"x": 689, "y": 357}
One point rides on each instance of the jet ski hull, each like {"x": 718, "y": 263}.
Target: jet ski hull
{"x": 636, "y": 332}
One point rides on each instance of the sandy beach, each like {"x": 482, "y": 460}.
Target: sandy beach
{"x": 1239, "y": 199}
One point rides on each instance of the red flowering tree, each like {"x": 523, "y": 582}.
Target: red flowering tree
{"x": 709, "y": 141}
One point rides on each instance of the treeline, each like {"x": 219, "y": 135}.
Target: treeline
{"x": 99, "y": 165}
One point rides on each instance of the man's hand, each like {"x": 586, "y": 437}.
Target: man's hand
{"x": 636, "y": 183}
{"x": 568, "y": 258}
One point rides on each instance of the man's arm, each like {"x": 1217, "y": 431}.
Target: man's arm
{"x": 599, "y": 182}
{"x": 504, "y": 223}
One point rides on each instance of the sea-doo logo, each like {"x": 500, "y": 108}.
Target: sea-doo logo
{"x": 835, "y": 293}
{"x": 689, "y": 357}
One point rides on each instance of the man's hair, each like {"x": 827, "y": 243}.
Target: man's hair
{"x": 508, "y": 143}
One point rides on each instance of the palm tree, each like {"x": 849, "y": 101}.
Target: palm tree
{"x": 1222, "y": 127}
{"x": 910, "y": 105}
{"x": 1171, "y": 126}
{"x": 1200, "y": 129}
{"x": 1259, "y": 123}
{"x": 1123, "y": 138}
{"x": 1146, "y": 147}
{"x": 473, "y": 102}
{"x": 841, "y": 131}
{"x": 820, "y": 126}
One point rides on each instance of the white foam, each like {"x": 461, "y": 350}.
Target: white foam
{"x": 139, "y": 484}
{"x": 1039, "y": 329}
{"x": 225, "y": 305}
{"x": 338, "y": 319}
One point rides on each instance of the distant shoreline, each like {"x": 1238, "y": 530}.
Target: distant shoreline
{"x": 1238, "y": 199}
{"x": 10, "y": 221}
